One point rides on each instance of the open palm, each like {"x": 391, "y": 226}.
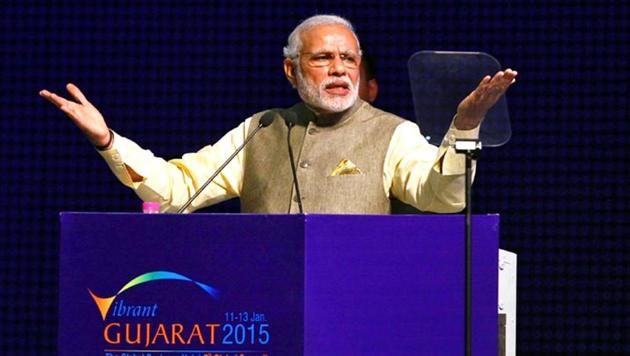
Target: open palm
{"x": 83, "y": 114}
{"x": 474, "y": 107}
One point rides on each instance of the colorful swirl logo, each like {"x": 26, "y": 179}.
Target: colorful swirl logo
{"x": 104, "y": 304}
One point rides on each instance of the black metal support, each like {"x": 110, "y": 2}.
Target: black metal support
{"x": 293, "y": 170}
{"x": 471, "y": 149}
{"x": 216, "y": 173}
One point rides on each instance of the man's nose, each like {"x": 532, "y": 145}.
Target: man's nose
{"x": 337, "y": 67}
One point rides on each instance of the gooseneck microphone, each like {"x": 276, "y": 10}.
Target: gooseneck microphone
{"x": 264, "y": 121}
{"x": 290, "y": 118}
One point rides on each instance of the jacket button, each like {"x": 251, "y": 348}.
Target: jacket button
{"x": 305, "y": 164}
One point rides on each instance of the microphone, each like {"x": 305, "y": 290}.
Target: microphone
{"x": 267, "y": 119}
{"x": 290, "y": 118}
{"x": 264, "y": 121}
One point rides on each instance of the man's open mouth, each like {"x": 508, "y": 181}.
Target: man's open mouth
{"x": 338, "y": 88}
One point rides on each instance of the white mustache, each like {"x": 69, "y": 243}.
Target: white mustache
{"x": 328, "y": 81}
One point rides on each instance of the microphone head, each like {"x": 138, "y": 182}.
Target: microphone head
{"x": 267, "y": 118}
{"x": 290, "y": 118}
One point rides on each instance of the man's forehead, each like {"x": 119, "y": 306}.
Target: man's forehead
{"x": 329, "y": 37}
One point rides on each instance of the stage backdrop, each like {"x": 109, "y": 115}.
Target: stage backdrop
{"x": 176, "y": 76}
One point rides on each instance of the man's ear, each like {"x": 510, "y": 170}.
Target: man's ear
{"x": 372, "y": 90}
{"x": 289, "y": 71}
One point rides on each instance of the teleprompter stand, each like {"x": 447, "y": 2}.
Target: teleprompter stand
{"x": 470, "y": 148}
{"x": 439, "y": 81}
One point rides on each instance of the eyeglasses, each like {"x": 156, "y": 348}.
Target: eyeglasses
{"x": 325, "y": 59}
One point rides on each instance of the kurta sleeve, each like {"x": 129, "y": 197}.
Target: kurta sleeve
{"x": 428, "y": 177}
{"x": 173, "y": 182}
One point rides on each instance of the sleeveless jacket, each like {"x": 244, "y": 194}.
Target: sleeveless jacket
{"x": 339, "y": 163}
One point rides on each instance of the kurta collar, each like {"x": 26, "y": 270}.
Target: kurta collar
{"x": 307, "y": 114}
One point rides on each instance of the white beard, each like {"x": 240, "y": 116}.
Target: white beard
{"x": 318, "y": 98}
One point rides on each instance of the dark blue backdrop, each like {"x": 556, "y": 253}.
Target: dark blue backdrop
{"x": 176, "y": 76}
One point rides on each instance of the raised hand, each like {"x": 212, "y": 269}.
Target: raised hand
{"x": 474, "y": 107}
{"x": 83, "y": 114}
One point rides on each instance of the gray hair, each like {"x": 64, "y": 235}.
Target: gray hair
{"x": 294, "y": 43}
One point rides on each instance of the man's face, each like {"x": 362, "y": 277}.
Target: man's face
{"x": 327, "y": 76}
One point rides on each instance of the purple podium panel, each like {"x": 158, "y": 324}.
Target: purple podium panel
{"x": 202, "y": 284}
{"x": 182, "y": 284}
{"x": 394, "y": 285}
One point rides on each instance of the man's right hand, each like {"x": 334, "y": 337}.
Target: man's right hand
{"x": 83, "y": 114}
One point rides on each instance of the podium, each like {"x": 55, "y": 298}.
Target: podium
{"x": 238, "y": 284}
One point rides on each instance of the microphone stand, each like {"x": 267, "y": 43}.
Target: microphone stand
{"x": 471, "y": 149}
{"x": 261, "y": 124}
{"x": 290, "y": 125}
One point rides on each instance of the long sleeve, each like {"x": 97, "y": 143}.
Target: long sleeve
{"x": 428, "y": 177}
{"x": 173, "y": 182}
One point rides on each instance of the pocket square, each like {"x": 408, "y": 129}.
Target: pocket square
{"x": 345, "y": 167}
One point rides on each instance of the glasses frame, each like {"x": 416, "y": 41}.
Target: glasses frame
{"x": 350, "y": 59}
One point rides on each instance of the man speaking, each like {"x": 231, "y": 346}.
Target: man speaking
{"x": 350, "y": 156}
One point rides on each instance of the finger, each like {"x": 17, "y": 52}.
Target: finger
{"x": 76, "y": 93}
{"x": 67, "y": 106}
{"x": 54, "y": 98}
{"x": 502, "y": 81}
{"x": 509, "y": 75}
{"x": 497, "y": 78}
{"x": 485, "y": 80}
{"x": 508, "y": 80}
{"x": 482, "y": 87}
{"x": 44, "y": 93}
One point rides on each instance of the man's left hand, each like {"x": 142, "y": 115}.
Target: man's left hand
{"x": 474, "y": 107}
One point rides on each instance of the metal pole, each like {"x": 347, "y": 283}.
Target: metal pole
{"x": 468, "y": 258}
